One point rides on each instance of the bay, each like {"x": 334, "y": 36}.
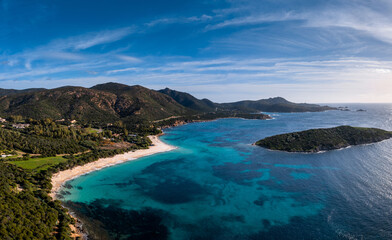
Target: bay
{"x": 217, "y": 185}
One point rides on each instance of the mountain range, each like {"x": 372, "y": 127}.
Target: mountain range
{"x": 113, "y": 101}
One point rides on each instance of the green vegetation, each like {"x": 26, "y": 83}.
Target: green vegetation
{"x": 276, "y": 104}
{"x": 174, "y": 121}
{"x": 133, "y": 105}
{"x": 38, "y": 151}
{"x": 189, "y": 101}
{"x": 39, "y": 163}
{"x": 316, "y": 140}
{"x": 26, "y": 211}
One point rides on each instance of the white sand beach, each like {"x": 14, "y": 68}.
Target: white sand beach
{"x": 58, "y": 179}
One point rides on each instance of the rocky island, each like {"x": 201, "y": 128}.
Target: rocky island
{"x": 316, "y": 140}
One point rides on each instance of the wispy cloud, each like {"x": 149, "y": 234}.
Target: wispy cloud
{"x": 179, "y": 20}
{"x": 129, "y": 58}
{"x": 374, "y": 24}
{"x": 254, "y": 19}
{"x": 301, "y": 80}
{"x": 69, "y": 49}
{"x": 94, "y": 39}
{"x": 122, "y": 70}
{"x": 359, "y": 15}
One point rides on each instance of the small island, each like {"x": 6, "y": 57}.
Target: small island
{"x": 324, "y": 139}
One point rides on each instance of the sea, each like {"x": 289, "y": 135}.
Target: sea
{"x": 217, "y": 185}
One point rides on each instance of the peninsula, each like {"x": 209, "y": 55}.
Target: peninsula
{"x": 324, "y": 139}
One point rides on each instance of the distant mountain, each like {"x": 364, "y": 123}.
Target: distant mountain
{"x": 4, "y": 92}
{"x": 109, "y": 102}
{"x": 277, "y": 104}
{"x": 189, "y": 101}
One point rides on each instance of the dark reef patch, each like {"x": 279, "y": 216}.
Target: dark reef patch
{"x": 260, "y": 202}
{"x": 68, "y": 185}
{"x": 176, "y": 191}
{"x": 163, "y": 168}
{"x": 63, "y": 193}
{"x": 316, "y": 228}
{"x": 233, "y": 218}
{"x": 122, "y": 223}
{"x": 239, "y": 173}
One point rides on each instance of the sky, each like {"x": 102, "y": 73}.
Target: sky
{"x": 314, "y": 51}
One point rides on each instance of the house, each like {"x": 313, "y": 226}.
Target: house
{"x": 20, "y": 125}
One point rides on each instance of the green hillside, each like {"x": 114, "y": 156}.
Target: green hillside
{"x": 276, "y": 104}
{"x": 323, "y": 139}
{"x": 4, "y": 92}
{"x": 134, "y": 105}
{"x": 110, "y": 104}
{"x": 189, "y": 101}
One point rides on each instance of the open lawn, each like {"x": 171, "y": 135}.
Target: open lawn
{"x": 39, "y": 163}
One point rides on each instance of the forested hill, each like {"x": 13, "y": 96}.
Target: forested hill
{"x": 277, "y": 104}
{"x": 323, "y": 139}
{"x": 110, "y": 102}
{"x": 189, "y": 101}
{"x": 4, "y": 92}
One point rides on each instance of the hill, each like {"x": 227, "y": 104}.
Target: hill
{"x": 277, "y": 104}
{"x": 4, "y": 92}
{"x": 104, "y": 103}
{"x": 111, "y": 102}
{"x": 143, "y": 102}
{"x": 189, "y": 101}
{"x": 316, "y": 140}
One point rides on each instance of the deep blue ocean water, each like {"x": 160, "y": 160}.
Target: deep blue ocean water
{"x": 217, "y": 185}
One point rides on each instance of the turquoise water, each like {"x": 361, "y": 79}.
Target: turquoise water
{"x": 217, "y": 185}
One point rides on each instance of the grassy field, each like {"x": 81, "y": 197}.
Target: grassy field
{"x": 38, "y": 163}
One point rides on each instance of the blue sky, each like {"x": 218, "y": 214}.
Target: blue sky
{"x": 304, "y": 50}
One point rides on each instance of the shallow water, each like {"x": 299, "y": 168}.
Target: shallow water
{"x": 217, "y": 185}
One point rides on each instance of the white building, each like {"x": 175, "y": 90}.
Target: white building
{"x": 20, "y": 125}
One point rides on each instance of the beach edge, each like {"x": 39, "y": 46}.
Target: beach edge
{"x": 60, "y": 178}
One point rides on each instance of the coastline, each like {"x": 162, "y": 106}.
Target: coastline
{"x": 181, "y": 123}
{"x": 58, "y": 179}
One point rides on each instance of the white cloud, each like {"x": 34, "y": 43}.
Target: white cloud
{"x": 122, "y": 70}
{"x": 179, "y": 20}
{"x": 222, "y": 80}
{"x": 129, "y": 58}
{"x": 358, "y": 15}
{"x": 372, "y": 23}
{"x": 89, "y": 40}
{"x": 28, "y": 64}
{"x": 255, "y": 19}
{"x": 69, "y": 49}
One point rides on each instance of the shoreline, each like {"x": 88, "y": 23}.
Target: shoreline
{"x": 181, "y": 123}
{"x": 60, "y": 178}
